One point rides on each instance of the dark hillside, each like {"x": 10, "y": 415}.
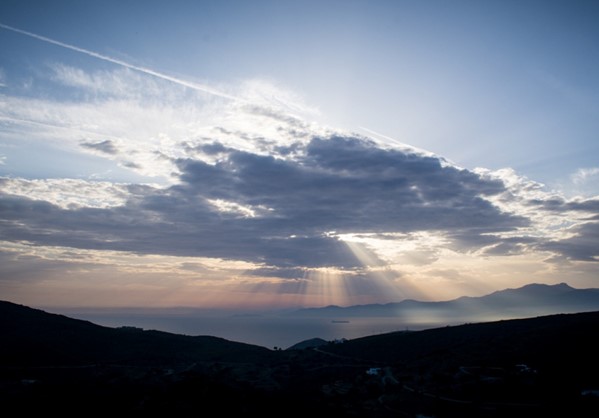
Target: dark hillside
{"x": 568, "y": 339}
{"x": 545, "y": 363}
{"x": 519, "y": 368}
{"x": 34, "y": 337}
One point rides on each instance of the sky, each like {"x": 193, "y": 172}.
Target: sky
{"x": 276, "y": 154}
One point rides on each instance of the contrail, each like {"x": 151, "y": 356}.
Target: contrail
{"x": 144, "y": 70}
{"x": 398, "y": 143}
{"x": 55, "y": 126}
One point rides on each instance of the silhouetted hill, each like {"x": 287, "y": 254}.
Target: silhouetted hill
{"x": 519, "y": 368}
{"x": 311, "y": 343}
{"x": 567, "y": 339}
{"x": 545, "y": 362}
{"x": 34, "y": 337}
{"x": 527, "y": 301}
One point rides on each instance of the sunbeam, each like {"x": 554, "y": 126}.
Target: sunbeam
{"x": 382, "y": 280}
{"x": 328, "y": 286}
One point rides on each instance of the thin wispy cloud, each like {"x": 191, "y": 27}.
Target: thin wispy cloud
{"x": 149, "y": 121}
{"x": 583, "y": 175}
{"x": 145, "y": 70}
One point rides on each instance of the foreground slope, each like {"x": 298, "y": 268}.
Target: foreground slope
{"x": 518, "y": 368}
{"x": 567, "y": 341}
{"x": 34, "y": 337}
{"x": 545, "y": 366}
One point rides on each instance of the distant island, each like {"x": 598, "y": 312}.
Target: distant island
{"x": 530, "y": 300}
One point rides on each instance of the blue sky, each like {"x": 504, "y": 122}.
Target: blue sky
{"x": 298, "y": 152}
{"x": 489, "y": 84}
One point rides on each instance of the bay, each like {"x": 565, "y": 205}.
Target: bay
{"x": 281, "y": 331}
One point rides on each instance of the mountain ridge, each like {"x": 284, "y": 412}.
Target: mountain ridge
{"x": 531, "y": 299}
{"x": 33, "y": 336}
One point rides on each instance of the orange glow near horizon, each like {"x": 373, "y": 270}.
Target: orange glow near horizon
{"x": 65, "y": 277}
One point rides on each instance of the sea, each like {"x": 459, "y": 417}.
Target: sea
{"x": 268, "y": 330}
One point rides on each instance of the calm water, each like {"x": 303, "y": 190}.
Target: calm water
{"x": 265, "y": 330}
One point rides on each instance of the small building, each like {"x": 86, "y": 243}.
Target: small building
{"x": 591, "y": 393}
{"x": 373, "y": 371}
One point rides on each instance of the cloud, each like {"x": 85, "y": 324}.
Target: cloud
{"x": 584, "y": 182}
{"x": 509, "y": 246}
{"x": 582, "y": 246}
{"x": 281, "y": 272}
{"x": 67, "y": 193}
{"x": 286, "y": 213}
{"x": 291, "y": 214}
{"x": 18, "y": 267}
{"x": 107, "y": 146}
{"x": 144, "y": 70}
{"x": 151, "y": 121}
{"x": 585, "y": 174}
{"x": 254, "y": 184}
{"x": 347, "y": 184}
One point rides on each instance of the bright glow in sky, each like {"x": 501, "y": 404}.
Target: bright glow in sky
{"x": 270, "y": 154}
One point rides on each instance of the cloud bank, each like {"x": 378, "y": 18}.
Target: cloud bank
{"x": 255, "y": 183}
{"x": 293, "y": 211}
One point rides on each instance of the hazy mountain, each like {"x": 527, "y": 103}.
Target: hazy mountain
{"x": 529, "y": 300}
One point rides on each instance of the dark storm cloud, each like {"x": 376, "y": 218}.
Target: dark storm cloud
{"x": 107, "y": 146}
{"x": 341, "y": 184}
{"x": 589, "y": 205}
{"x": 164, "y": 223}
{"x": 349, "y": 185}
{"x": 213, "y": 148}
{"x": 510, "y": 246}
{"x": 131, "y": 164}
{"x": 559, "y": 204}
{"x": 464, "y": 240}
{"x": 581, "y": 247}
{"x": 282, "y": 272}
